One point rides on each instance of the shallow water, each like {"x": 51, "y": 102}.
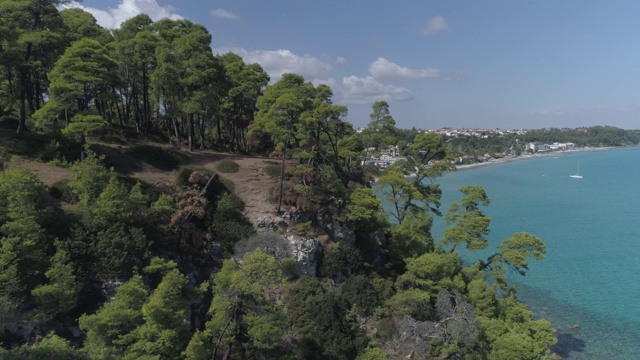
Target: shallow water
{"x": 591, "y": 227}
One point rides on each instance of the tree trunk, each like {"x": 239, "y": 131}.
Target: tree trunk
{"x": 232, "y": 137}
{"x": 218, "y": 130}
{"x": 243, "y": 140}
{"x": 138, "y": 112}
{"x": 38, "y": 95}
{"x": 83, "y": 142}
{"x": 23, "y": 98}
{"x": 201, "y": 128}
{"x": 145, "y": 101}
{"x": 284, "y": 151}
{"x": 192, "y": 132}
{"x": 29, "y": 94}
{"x": 119, "y": 111}
{"x": 127, "y": 115}
{"x": 176, "y": 128}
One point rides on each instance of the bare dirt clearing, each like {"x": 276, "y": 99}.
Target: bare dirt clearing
{"x": 251, "y": 182}
{"x": 47, "y": 173}
{"x": 253, "y": 186}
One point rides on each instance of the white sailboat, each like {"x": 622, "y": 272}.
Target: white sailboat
{"x": 577, "y": 175}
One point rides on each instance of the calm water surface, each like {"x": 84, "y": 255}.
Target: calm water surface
{"x": 591, "y": 227}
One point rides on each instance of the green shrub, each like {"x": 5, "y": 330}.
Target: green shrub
{"x": 118, "y": 250}
{"x": 227, "y": 166}
{"x": 273, "y": 170}
{"x": 49, "y": 151}
{"x": 153, "y": 192}
{"x": 158, "y": 157}
{"x": 9, "y": 121}
{"x": 360, "y": 291}
{"x": 44, "y": 147}
{"x": 341, "y": 261}
{"x": 273, "y": 193}
{"x": 290, "y": 268}
{"x": 60, "y": 162}
{"x": 305, "y": 229}
{"x": 185, "y": 172}
{"x": 229, "y": 224}
{"x": 61, "y": 190}
{"x": 90, "y": 177}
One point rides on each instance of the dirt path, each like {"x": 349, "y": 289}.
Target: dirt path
{"x": 254, "y": 187}
{"x": 252, "y": 184}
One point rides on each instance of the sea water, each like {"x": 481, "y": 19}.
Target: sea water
{"x": 591, "y": 227}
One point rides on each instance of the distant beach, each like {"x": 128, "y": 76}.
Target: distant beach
{"x": 530, "y": 156}
{"x": 521, "y": 157}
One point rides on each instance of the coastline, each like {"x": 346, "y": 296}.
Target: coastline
{"x": 521, "y": 157}
{"x": 557, "y": 210}
{"x": 532, "y": 156}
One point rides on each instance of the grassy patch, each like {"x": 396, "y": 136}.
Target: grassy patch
{"x": 158, "y": 157}
{"x": 44, "y": 147}
{"x": 185, "y": 173}
{"x": 273, "y": 193}
{"x": 273, "y": 170}
{"x": 228, "y": 184}
{"x": 227, "y": 166}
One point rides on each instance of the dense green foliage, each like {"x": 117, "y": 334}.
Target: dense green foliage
{"x": 593, "y": 136}
{"x": 149, "y": 272}
{"x": 500, "y": 145}
{"x": 227, "y": 166}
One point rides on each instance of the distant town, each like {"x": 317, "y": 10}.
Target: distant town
{"x": 383, "y": 158}
{"x": 478, "y": 132}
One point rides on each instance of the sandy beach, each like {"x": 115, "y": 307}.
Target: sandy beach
{"x": 522, "y": 157}
{"x": 530, "y": 156}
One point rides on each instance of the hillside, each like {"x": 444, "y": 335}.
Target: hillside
{"x": 251, "y": 183}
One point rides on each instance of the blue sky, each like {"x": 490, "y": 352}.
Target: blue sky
{"x": 481, "y": 64}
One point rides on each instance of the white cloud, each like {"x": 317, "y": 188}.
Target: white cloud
{"x": 367, "y": 90}
{"x": 435, "y": 25}
{"x": 355, "y": 90}
{"x": 278, "y": 62}
{"x": 384, "y": 69}
{"x": 352, "y": 90}
{"x": 341, "y": 60}
{"x": 126, "y": 9}
{"x": 224, "y": 14}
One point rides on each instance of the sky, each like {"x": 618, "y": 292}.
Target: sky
{"x": 508, "y": 64}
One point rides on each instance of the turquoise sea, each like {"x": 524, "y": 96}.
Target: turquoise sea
{"x": 591, "y": 227}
